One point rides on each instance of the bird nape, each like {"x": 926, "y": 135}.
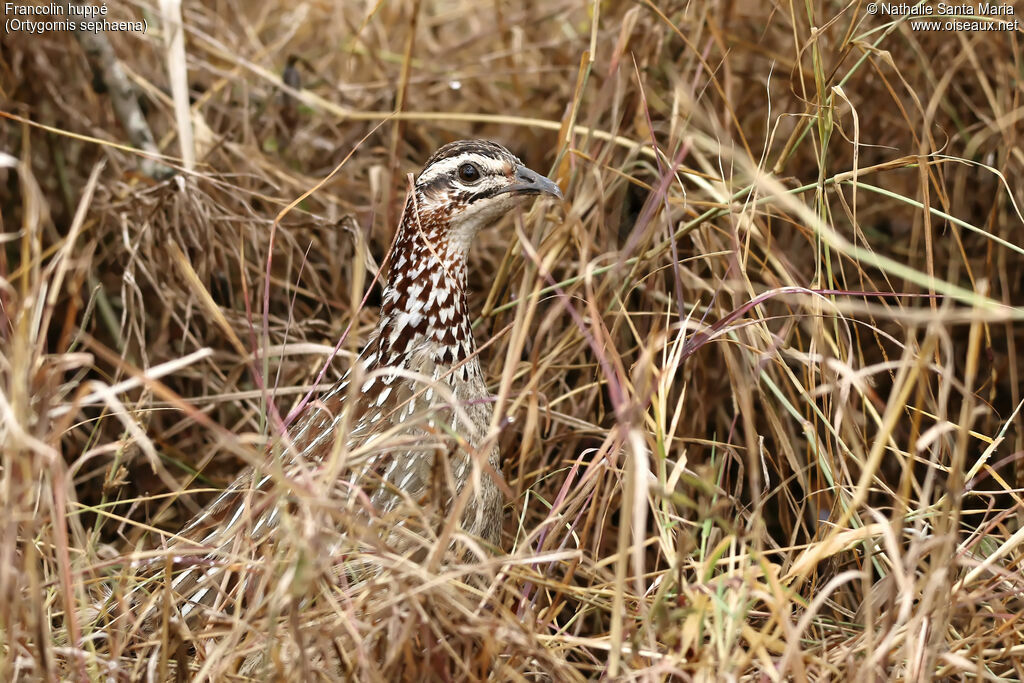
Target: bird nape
{"x": 400, "y": 445}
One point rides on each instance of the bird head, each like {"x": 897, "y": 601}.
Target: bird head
{"x": 469, "y": 184}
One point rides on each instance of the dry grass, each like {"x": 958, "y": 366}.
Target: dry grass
{"x": 759, "y": 373}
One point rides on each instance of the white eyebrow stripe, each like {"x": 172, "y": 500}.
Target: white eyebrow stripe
{"x": 446, "y": 166}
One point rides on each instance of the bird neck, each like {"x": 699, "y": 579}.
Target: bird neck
{"x": 425, "y": 299}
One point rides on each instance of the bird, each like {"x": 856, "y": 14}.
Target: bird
{"x": 407, "y": 425}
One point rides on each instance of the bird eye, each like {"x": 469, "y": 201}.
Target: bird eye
{"x": 469, "y": 173}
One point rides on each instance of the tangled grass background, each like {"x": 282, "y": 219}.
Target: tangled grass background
{"x": 759, "y": 373}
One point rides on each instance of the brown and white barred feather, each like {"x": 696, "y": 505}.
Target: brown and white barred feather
{"x": 385, "y": 446}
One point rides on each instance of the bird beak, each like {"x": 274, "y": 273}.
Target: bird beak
{"x": 531, "y": 182}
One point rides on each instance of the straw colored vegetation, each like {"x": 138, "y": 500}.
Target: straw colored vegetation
{"x": 759, "y": 373}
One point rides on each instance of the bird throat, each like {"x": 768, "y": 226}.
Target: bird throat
{"x": 424, "y": 306}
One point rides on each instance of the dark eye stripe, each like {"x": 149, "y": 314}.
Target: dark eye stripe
{"x": 447, "y": 184}
{"x": 436, "y": 185}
